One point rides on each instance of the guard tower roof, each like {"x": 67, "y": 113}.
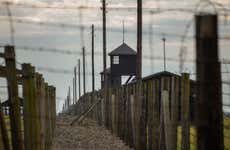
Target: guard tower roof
{"x": 123, "y": 49}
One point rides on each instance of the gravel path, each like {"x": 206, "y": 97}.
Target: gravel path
{"x": 87, "y": 136}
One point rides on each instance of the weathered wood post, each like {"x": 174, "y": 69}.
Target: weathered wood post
{"x": 53, "y": 108}
{"x": 132, "y": 108}
{"x": 15, "y": 117}
{"x": 75, "y": 83}
{"x": 113, "y": 112}
{"x": 32, "y": 136}
{"x": 165, "y": 128}
{"x": 47, "y": 117}
{"x": 150, "y": 114}
{"x": 83, "y": 66}
{"x": 1, "y": 140}
{"x": 174, "y": 110}
{"x": 79, "y": 78}
{"x": 4, "y": 139}
{"x": 156, "y": 114}
{"x": 209, "y": 99}
{"x": 41, "y": 104}
{"x": 185, "y": 111}
{"x": 93, "y": 77}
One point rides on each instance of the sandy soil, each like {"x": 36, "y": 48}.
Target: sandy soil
{"x": 87, "y": 136}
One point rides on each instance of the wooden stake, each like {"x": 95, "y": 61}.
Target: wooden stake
{"x": 15, "y": 116}
{"x": 156, "y": 115}
{"x": 174, "y": 111}
{"x": 93, "y": 77}
{"x": 185, "y": 111}
{"x": 209, "y": 99}
{"x": 83, "y": 53}
{"x": 104, "y": 39}
{"x": 139, "y": 40}
{"x": 79, "y": 77}
{"x": 73, "y": 92}
{"x": 32, "y": 133}
{"x": 4, "y": 139}
{"x": 75, "y": 83}
{"x": 41, "y": 104}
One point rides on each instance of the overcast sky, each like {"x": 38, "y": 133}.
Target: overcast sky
{"x": 165, "y": 23}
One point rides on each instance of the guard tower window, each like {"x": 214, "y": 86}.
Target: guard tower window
{"x": 115, "y": 59}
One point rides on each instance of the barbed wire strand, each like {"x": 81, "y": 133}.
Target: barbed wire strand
{"x": 11, "y": 23}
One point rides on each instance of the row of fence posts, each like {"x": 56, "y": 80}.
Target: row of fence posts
{"x": 159, "y": 112}
{"x": 161, "y": 117}
{"x": 34, "y": 130}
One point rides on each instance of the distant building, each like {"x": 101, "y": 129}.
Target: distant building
{"x": 123, "y": 63}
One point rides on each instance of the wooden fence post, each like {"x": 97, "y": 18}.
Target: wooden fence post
{"x": 122, "y": 112}
{"x": 156, "y": 114}
{"x": 41, "y": 102}
{"x": 164, "y": 115}
{"x": 132, "y": 113}
{"x": 53, "y": 108}
{"x": 31, "y": 113}
{"x": 109, "y": 109}
{"x": 165, "y": 112}
{"x": 113, "y": 112}
{"x": 174, "y": 110}
{"x": 47, "y": 117}
{"x": 116, "y": 110}
{"x": 1, "y": 140}
{"x": 167, "y": 129}
{"x": 51, "y": 114}
{"x": 119, "y": 114}
{"x": 128, "y": 117}
{"x": 15, "y": 116}
{"x": 209, "y": 98}
{"x": 144, "y": 116}
{"x": 185, "y": 111}
{"x": 4, "y": 139}
{"x": 150, "y": 114}
{"x": 103, "y": 111}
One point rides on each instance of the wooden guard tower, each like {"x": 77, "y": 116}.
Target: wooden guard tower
{"x": 123, "y": 63}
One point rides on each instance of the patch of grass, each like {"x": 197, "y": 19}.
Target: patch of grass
{"x": 227, "y": 133}
{"x": 7, "y": 121}
{"x": 193, "y": 136}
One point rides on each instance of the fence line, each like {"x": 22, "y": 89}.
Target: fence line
{"x": 32, "y": 129}
{"x": 170, "y": 107}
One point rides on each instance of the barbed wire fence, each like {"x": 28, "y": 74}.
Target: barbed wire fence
{"x": 219, "y": 8}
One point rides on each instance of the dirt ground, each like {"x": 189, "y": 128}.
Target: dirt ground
{"x": 87, "y": 136}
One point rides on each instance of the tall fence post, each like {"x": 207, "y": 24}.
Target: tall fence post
{"x": 47, "y": 118}
{"x": 52, "y": 109}
{"x": 185, "y": 111}
{"x": 15, "y": 117}
{"x": 41, "y": 102}
{"x": 164, "y": 116}
{"x": 156, "y": 115}
{"x": 4, "y": 139}
{"x": 50, "y": 125}
{"x": 174, "y": 110}
{"x": 209, "y": 99}
{"x": 31, "y": 113}
{"x": 150, "y": 114}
